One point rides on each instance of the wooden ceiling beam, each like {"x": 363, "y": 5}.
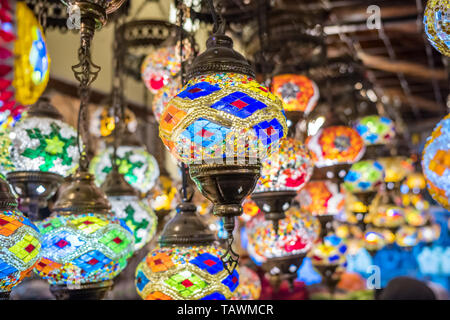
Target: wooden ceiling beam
{"x": 405, "y": 67}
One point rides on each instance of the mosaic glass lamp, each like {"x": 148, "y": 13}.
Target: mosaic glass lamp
{"x": 407, "y": 237}
{"x": 298, "y": 92}
{"x": 222, "y": 125}
{"x": 321, "y": 198}
{"x": 186, "y": 265}
{"x": 159, "y": 68}
{"x": 281, "y": 253}
{"x": 162, "y": 97}
{"x": 32, "y": 62}
{"x": 436, "y": 162}
{"x": 430, "y": 232}
{"x": 101, "y": 122}
{"x": 388, "y": 216}
{"x": 373, "y": 241}
{"x": 249, "y": 285}
{"x": 84, "y": 246}
{"x": 436, "y": 25}
{"x": 20, "y": 243}
{"x": 327, "y": 255}
{"x": 43, "y": 151}
{"x": 163, "y": 197}
{"x": 138, "y": 166}
{"x": 126, "y": 205}
{"x": 283, "y": 174}
{"x": 335, "y": 145}
{"x": 375, "y": 129}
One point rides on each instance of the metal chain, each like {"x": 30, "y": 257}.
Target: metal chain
{"x": 42, "y": 14}
{"x": 85, "y": 72}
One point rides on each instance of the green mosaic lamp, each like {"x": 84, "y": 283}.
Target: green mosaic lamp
{"x": 43, "y": 150}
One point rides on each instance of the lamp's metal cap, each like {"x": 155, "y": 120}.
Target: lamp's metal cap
{"x": 43, "y": 108}
{"x": 7, "y": 199}
{"x": 219, "y": 56}
{"x": 115, "y": 185}
{"x": 82, "y": 196}
{"x": 186, "y": 228}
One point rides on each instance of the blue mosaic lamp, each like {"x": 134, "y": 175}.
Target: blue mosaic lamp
{"x": 84, "y": 247}
{"x": 222, "y": 124}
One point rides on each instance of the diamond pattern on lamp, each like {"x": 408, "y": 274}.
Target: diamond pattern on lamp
{"x": 159, "y": 262}
{"x": 92, "y": 261}
{"x": 46, "y": 266}
{"x": 232, "y": 280}
{"x": 141, "y": 280}
{"x": 209, "y": 262}
{"x": 214, "y": 296}
{"x": 198, "y": 90}
{"x": 239, "y": 104}
{"x": 27, "y": 248}
{"x": 89, "y": 224}
{"x": 50, "y": 225}
{"x": 205, "y": 133}
{"x": 269, "y": 131}
{"x": 61, "y": 243}
{"x": 186, "y": 283}
{"x": 115, "y": 240}
{"x": 6, "y": 269}
{"x": 157, "y": 295}
{"x": 8, "y": 225}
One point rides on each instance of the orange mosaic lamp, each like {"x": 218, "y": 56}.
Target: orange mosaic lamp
{"x": 298, "y": 92}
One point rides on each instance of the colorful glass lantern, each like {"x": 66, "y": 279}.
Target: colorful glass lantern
{"x": 415, "y": 182}
{"x": 222, "y": 116}
{"x": 32, "y": 62}
{"x": 137, "y": 215}
{"x": 429, "y": 232}
{"x": 415, "y": 217}
{"x": 41, "y": 141}
{"x": 6, "y": 164}
{"x": 373, "y": 241}
{"x": 364, "y": 176}
{"x": 329, "y": 251}
{"x": 335, "y": 145}
{"x": 436, "y": 162}
{"x": 83, "y": 244}
{"x": 162, "y": 97}
{"x": 250, "y": 209}
{"x": 388, "y": 216}
{"x": 222, "y": 124}
{"x": 289, "y": 169}
{"x": 101, "y": 123}
{"x": 185, "y": 273}
{"x": 249, "y": 285}
{"x": 293, "y": 237}
{"x": 298, "y": 92}
{"x": 20, "y": 243}
{"x": 280, "y": 253}
{"x": 43, "y": 150}
{"x": 407, "y": 237}
{"x": 163, "y": 197}
{"x": 436, "y": 24}
{"x": 321, "y": 198}
{"x": 159, "y": 66}
{"x": 395, "y": 168}
{"x": 187, "y": 263}
{"x": 375, "y": 129}
{"x": 138, "y": 166}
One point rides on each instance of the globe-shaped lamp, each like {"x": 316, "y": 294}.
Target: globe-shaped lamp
{"x": 186, "y": 265}
{"x": 375, "y": 129}
{"x": 436, "y": 162}
{"x": 20, "y": 243}
{"x": 84, "y": 247}
{"x": 249, "y": 285}
{"x": 436, "y": 24}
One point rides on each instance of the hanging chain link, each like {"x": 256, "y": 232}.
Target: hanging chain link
{"x": 85, "y": 72}
{"x": 42, "y": 14}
